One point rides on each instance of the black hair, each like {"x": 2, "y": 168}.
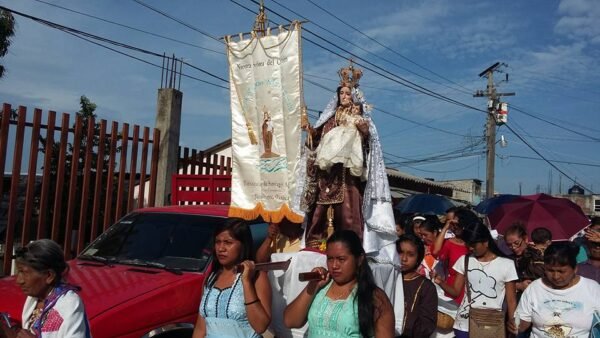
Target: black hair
{"x": 417, "y": 242}
{"x": 431, "y": 223}
{"x": 239, "y": 230}
{"x": 364, "y": 278}
{"x": 44, "y": 255}
{"x": 466, "y": 218}
{"x": 399, "y": 218}
{"x": 516, "y": 229}
{"x": 541, "y": 235}
{"x": 451, "y": 209}
{"x": 479, "y": 233}
{"x": 407, "y": 223}
{"x": 561, "y": 253}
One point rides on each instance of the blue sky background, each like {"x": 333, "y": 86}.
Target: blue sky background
{"x": 552, "y": 49}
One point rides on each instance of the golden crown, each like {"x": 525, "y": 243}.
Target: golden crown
{"x": 349, "y": 76}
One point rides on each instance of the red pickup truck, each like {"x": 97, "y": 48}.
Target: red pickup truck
{"x": 143, "y": 276}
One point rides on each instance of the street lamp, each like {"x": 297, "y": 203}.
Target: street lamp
{"x": 503, "y": 142}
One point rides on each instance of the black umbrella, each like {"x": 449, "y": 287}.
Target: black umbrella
{"x": 427, "y": 204}
{"x": 487, "y": 206}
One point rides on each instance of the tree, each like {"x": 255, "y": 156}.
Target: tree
{"x": 7, "y": 30}
{"x": 86, "y": 112}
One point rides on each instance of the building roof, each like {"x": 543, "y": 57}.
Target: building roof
{"x": 402, "y": 183}
{"x": 218, "y": 147}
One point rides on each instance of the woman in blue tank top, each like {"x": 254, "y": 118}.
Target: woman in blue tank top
{"x": 234, "y": 304}
{"x": 345, "y": 302}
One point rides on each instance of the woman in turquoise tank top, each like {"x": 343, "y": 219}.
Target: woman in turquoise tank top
{"x": 234, "y": 304}
{"x": 345, "y": 302}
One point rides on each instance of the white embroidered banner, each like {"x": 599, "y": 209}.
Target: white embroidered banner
{"x": 266, "y": 98}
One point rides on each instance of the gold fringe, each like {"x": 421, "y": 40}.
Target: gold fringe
{"x": 274, "y": 216}
{"x": 251, "y": 134}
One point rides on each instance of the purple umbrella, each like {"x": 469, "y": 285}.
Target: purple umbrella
{"x": 559, "y": 215}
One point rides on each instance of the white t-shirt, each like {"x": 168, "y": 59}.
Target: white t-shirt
{"x": 560, "y": 313}
{"x": 486, "y": 282}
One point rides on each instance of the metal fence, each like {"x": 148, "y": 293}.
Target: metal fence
{"x": 204, "y": 178}
{"x": 79, "y": 178}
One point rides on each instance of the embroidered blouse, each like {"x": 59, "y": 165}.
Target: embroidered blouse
{"x": 63, "y": 315}
{"x": 225, "y": 313}
{"x": 333, "y": 318}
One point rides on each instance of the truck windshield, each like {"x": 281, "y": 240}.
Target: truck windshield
{"x": 176, "y": 241}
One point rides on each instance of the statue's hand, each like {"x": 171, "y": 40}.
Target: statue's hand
{"x": 363, "y": 127}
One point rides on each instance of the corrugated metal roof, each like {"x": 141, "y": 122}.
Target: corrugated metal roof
{"x": 397, "y": 173}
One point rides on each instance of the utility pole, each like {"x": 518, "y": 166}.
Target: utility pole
{"x": 490, "y": 134}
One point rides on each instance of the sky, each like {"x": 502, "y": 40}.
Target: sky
{"x": 551, "y": 50}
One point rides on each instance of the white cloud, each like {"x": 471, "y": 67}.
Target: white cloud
{"x": 409, "y": 22}
{"x": 432, "y": 26}
{"x": 579, "y": 20}
{"x": 570, "y": 61}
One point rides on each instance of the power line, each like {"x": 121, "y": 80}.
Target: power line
{"x": 89, "y": 37}
{"x": 555, "y": 161}
{"x": 130, "y": 27}
{"x": 386, "y": 47}
{"x": 78, "y": 33}
{"x": 438, "y": 160}
{"x": 544, "y": 158}
{"x": 196, "y": 29}
{"x": 474, "y": 148}
{"x": 574, "y": 171}
{"x": 550, "y": 92}
{"x": 395, "y": 78}
{"x": 559, "y": 138}
{"x": 441, "y": 158}
{"x": 421, "y": 124}
{"x": 113, "y": 42}
{"x": 177, "y": 20}
{"x": 566, "y": 122}
{"x": 554, "y": 124}
{"x": 369, "y": 52}
{"x": 362, "y": 85}
{"x": 546, "y": 76}
{"x": 142, "y": 60}
{"x": 439, "y": 171}
{"x": 398, "y": 116}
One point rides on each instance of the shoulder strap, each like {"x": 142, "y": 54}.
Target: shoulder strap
{"x": 467, "y": 278}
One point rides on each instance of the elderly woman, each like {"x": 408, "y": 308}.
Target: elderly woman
{"x": 560, "y": 304}
{"x": 52, "y": 308}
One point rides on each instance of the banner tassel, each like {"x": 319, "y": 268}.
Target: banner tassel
{"x": 251, "y": 134}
